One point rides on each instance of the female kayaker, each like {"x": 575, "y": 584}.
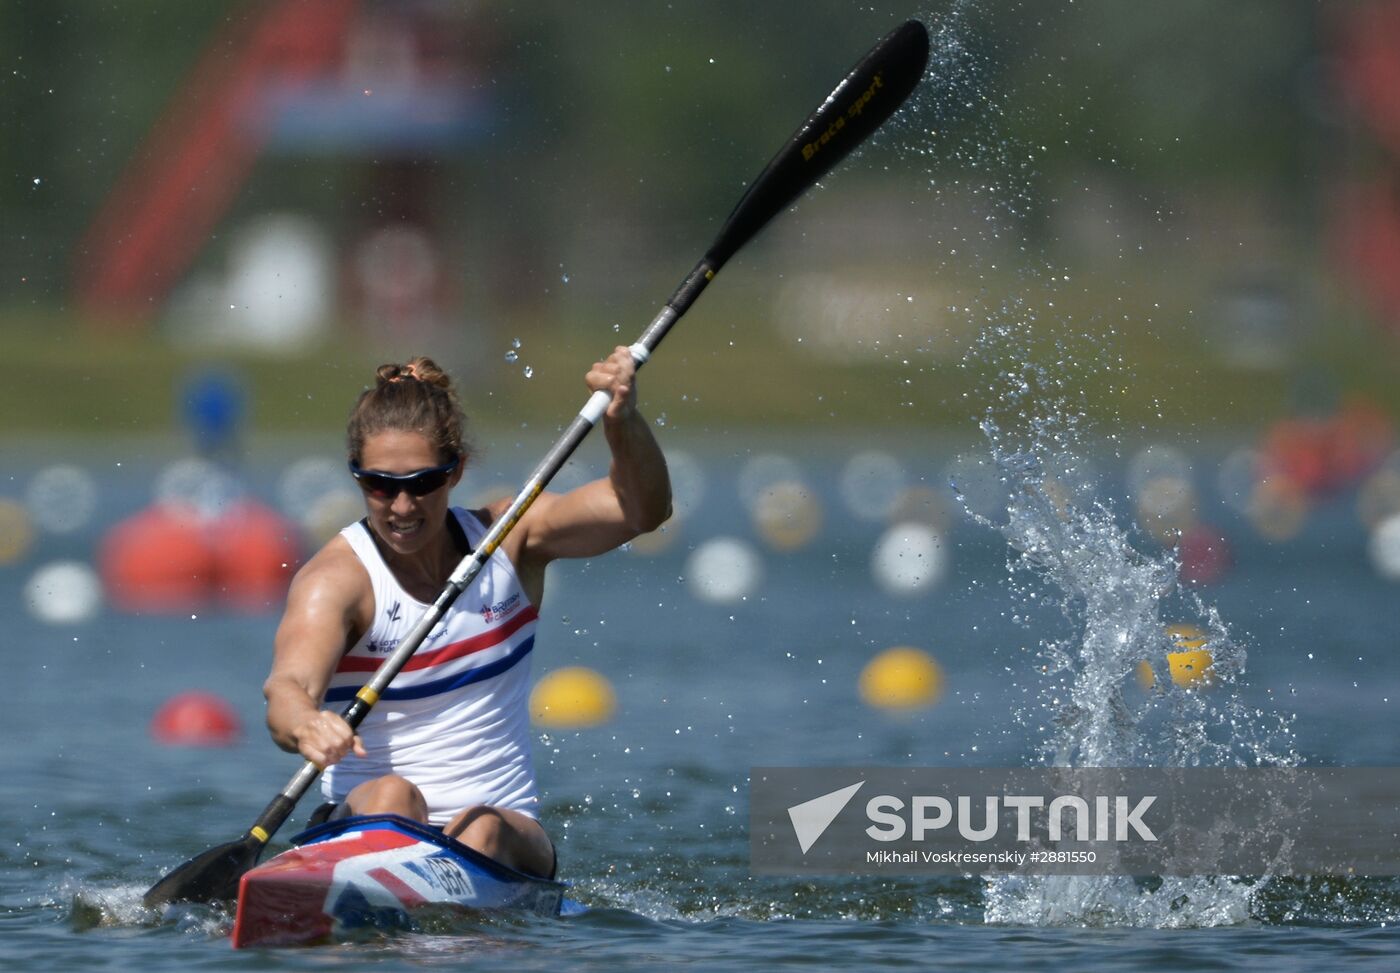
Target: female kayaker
{"x": 448, "y": 743}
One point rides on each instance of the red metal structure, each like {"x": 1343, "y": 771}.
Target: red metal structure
{"x": 200, "y": 153}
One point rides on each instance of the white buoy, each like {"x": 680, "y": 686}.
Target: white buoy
{"x": 61, "y": 499}
{"x": 63, "y": 592}
{"x": 281, "y": 271}
{"x": 202, "y": 488}
{"x": 1156, "y": 462}
{"x": 724, "y": 570}
{"x": 1379, "y": 496}
{"x": 1166, "y": 506}
{"x": 1235, "y": 481}
{"x": 309, "y": 479}
{"x": 909, "y": 558}
{"x": 1385, "y": 547}
{"x": 872, "y": 483}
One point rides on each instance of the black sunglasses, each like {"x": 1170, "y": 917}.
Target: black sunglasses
{"x": 419, "y": 483}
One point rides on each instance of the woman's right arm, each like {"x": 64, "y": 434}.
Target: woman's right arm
{"x": 323, "y": 604}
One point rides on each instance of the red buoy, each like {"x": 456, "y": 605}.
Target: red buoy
{"x": 166, "y": 560}
{"x": 196, "y": 719}
{"x": 156, "y": 560}
{"x": 255, "y": 551}
{"x": 1205, "y": 555}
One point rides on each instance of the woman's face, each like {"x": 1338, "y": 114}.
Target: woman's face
{"x": 404, "y": 522}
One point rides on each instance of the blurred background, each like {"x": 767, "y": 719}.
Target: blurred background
{"x": 220, "y": 215}
{"x": 298, "y": 189}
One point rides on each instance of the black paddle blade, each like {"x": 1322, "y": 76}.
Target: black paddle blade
{"x": 872, "y": 92}
{"x": 210, "y": 877}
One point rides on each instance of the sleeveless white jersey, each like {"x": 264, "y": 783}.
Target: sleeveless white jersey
{"x": 455, "y": 721}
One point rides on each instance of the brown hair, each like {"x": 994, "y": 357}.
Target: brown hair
{"x": 416, "y": 397}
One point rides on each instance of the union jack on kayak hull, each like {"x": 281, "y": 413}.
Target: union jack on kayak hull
{"x": 375, "y": 871}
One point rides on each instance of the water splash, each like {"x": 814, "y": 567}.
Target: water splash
{"x": 95, "y": 906}
{"x": 1070, "y": 554}
{"x": 1112, "y": 598}
{"x": 1073, "y": 568}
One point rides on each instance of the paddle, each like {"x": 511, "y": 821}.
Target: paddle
{"x": 864, "y": 99}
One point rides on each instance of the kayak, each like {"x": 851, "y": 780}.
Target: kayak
{"x": 374, "y": 872}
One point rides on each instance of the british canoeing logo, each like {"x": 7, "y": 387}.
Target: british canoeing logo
{"x": 500, "y": 609}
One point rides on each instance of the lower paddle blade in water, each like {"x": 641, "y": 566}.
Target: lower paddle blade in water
{"x": 210, "y": 877}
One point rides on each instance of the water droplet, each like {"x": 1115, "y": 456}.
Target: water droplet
{"x": 512, "y": 357}
{"x": 661, "y": 419}
{"x": 529, "y": 372}
{"x": 37, "y": 180}
{"x": 515, "y": 342}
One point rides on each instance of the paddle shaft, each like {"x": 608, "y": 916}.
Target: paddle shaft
{"x": 868, "y": 95}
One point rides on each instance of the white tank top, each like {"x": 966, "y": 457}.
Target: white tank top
{"x": 455, "y": 721}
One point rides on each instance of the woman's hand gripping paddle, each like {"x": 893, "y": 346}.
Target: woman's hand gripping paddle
{"x": 868, "y": 95}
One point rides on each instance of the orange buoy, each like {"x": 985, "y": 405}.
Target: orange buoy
{"x": 156, "y": 560}
{"x": 196, "y": 719}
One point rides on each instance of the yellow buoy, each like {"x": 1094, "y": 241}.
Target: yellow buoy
{"x": 901, "y": 678}
{"x": 1192, "y": 668}
{"x": 16, "y": 531}
{"x": 787, "y": 515}
{"x": 571, "y": 698}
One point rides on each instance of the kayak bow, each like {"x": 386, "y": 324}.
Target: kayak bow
{"x": 374, "y": 872}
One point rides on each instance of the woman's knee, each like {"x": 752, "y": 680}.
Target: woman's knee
{"x": 510, "y": 837}
{"x": 480, "y": 826}
{"x": 390, "y": 794}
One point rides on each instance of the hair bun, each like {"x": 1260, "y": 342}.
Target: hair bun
{"x": 427, "y": 371}
{"x": 422, "y": 369}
